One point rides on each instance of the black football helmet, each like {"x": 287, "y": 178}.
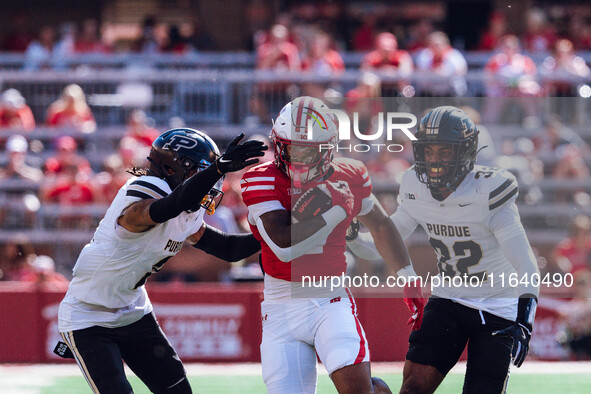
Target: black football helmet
{"x": 445, "y": 125}
{"x": 177, "y": 154}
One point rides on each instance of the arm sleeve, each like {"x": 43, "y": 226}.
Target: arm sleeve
{"x": 363, "y": 246}
{"x": 228, "y": 247}
{"x": 256, "y": 210}
{"x": 187, "y": 196}
{"x": 509, "y": 232}
{"x": 405, "y": 223}
{"x": 332, "y": 217}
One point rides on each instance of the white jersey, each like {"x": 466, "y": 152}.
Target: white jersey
{"x": 465, "y": 230}
{"x": 109, "y": 276}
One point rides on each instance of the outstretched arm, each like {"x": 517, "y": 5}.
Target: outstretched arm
{"x": 363, "y": 244}
{"x": 390, "y": 245}
{"x": 386, "y": 237}
{"x": 143, "y": 215}
{"x": 226, "y": 246}
{"x": 507, "y": 228}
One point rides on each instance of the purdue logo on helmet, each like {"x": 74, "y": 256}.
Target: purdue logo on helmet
{"x": 449, "y": 126}
{"x": 180, "y": 141}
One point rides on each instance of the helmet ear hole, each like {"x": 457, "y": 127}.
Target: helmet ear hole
{"x": 169, "y": 170}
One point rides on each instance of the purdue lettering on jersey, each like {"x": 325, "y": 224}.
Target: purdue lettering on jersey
{"x": 448, "y": 231}
{"x": 173, "y": 246}
{"x": 460, "y": 233}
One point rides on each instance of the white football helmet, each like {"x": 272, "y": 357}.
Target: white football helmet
{"x": 304, "y": 154}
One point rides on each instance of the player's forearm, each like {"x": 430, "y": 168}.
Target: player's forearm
{"x": 364, "y": 246}
{"x": 302, "y": 242}
{"x": 519, "y": 253}
{"x": 228, "y": 247}
{"x": 390, "y": 245}
{"x": 286, "y": 234}
{"x": 187, "y": 196}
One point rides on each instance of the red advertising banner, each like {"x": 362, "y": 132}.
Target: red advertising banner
{"x": 222, "y": 323}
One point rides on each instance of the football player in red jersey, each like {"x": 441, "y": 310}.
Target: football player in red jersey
{"x": 301, "y": 322}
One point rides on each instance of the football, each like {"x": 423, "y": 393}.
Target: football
{"x": 313, "y": 202}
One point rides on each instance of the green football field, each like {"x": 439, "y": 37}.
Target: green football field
{"x": 245, "y": 378}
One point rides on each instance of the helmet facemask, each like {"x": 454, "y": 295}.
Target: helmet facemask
{"x": 304, "y": 136}
{"x": 441, "y": 174}
{"x": 214, "y": 198}
{"x": 303, "y": 161}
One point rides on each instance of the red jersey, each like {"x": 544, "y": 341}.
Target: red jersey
{"x": 395, "y": 59}
{"x": 580, "y": 258}
{"x": 267, "y": 183}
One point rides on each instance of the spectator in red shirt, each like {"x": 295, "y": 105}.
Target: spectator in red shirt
{"x": 386, "y": 56}
{"x": 109, "y": 181}
{"x": 564, "y": 70}
{"x": 88, "y": 40}
{"x": 539, "y": 36}
{"x": 444, "y": 62}
{"x": 580, "y": 33}
{"x": 419, "y": 36}
{"x": 497, "y": 28}
{"x": 574, "y": 253}
{"x": 14, "y": 112}
{"x": 71, "y": 110}
{"x": 509, "y": 74}
{"x": 177, "y": 43}
{"x": 74, "y": 188}
{"x": 19, "y": 38}
{"x": 365, "y": 101}
{"x": 363, "y": 39}
{"x": 322, "y": 58}
{"x": 278, "y": 53}
{"x": 66, "y": 156}
{"x": 15, "y": 256}
{"x": 139, "y": 130}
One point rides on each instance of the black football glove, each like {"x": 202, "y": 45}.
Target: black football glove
{"x": 352, "y": 230}
{"x": 521, "y": 336}
{"x": 238, "y": 156}
{"x": 520, "y": 331}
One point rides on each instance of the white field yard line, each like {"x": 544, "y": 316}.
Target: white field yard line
{"x": 42, "y": 374}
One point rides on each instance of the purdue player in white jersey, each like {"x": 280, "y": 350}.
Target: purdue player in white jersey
{"x": 106, "y": 315}
{"x": 472, "y": 223}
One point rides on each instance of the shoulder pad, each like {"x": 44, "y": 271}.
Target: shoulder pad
{"x": 349, "y": 164}
{"x": 148, "y": 187}
{"x": 267, "y": 168}
{"x": 502, "y": 185}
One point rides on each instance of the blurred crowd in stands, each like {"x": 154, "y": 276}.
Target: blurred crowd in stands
{"x": 55, "y": 174}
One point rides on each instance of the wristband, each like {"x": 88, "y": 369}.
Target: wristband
{"x": 407, "y": 272}
{"x": 526, "y": 310}
{"x": 334, "y": 216}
